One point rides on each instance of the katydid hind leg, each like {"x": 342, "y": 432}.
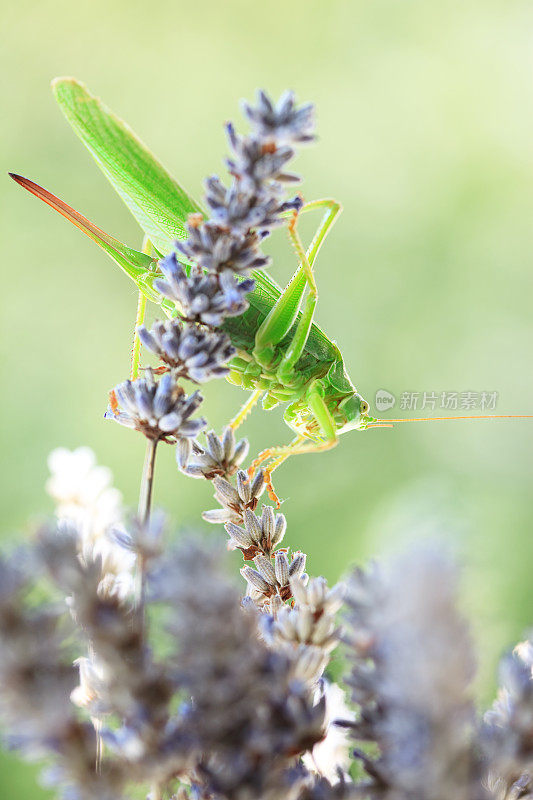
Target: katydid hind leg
{"x": 333, "y": 209}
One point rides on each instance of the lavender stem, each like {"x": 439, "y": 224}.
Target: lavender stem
{"x": 145, "y": 504}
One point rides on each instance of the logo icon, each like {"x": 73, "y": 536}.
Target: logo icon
{"x": 384, "y": 400}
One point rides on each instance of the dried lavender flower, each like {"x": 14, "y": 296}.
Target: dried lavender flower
{"x": 255, "y": 162}
{"x": 267, "y": 580}
{"x": 192, "y": 352}
{"x": 284, "y": 121}
{"x": 234, "y": 500}
{"x": 238, "y": 211}
{"x": 36, "y": 679}
{"x": 161, "y": 411}
{"x": 220, "y": 456}
{"x": 215, "y": 249}
{"x": 202, "y": 297}
{"x": 259, "y": 534}
{"x": 309, "y": 625}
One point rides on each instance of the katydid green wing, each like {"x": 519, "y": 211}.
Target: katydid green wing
{"x": 156, "y": 200}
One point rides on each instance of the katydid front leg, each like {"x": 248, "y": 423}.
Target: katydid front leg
{"x": 285, "y": 370}
{"x": 282, "y": 316}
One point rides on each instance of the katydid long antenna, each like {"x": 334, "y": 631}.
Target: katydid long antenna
{"x": 389, "y": 423}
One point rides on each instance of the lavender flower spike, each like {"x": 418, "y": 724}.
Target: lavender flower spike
{"x": 229, "y": 243}
{"x": 159, "y": 410}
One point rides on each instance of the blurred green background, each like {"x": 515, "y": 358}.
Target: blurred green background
{"x": 425, "y": 114}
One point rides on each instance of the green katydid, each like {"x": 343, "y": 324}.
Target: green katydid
{"x": 282, "y": 354}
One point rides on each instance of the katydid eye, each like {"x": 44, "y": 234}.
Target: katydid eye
{"x": 364, "y": 406}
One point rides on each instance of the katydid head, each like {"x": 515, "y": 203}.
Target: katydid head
{"x": 352, "y": 414}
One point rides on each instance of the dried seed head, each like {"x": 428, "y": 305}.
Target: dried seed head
{"x": 233, "y": 500}
{"x": 259, "y": 531}
{"x": 309, "y": 625}
{"x": 257, "y": 581}
{"x": 281, "y": 566}
{"x": 253, "y": 526}
{"x": 183, "y": 452}
{"x": 297, "y": 565}
{"x": 265, "y": 568}
{"x": 239, "y": 537}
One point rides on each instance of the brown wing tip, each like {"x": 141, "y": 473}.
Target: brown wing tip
{"x": 24, "y": 182}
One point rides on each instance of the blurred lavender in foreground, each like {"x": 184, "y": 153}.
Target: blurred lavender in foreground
{"x": 507, "y": 732}
{"x": 202, "y": 694}
{"x": 412, "y": 665}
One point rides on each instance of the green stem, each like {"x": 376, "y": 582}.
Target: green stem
{"x": 147, "y": 482}
{"x": 139, "y": 319}
{"x": 136, "y": 349}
